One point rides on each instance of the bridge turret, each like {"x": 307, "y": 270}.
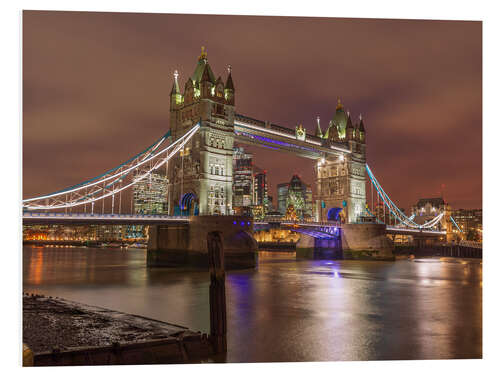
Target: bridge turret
{"x": 206, "y": 82}
{"x": 176, "y": 97}
{"x": 350, "y": 131}
{"x": 318, "y": 132}
{"x": 229, "y": 87}
{"x": 202, "y": 173}
{"x": 356, "y": 132}
{"x": 361, "y": 128}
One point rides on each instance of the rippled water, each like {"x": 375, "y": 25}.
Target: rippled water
{"x": 287, "y": 310}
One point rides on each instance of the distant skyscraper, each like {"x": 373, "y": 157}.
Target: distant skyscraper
{"x": 270, "y": 206}
{"x": 242, "y": 178}
{"x": 260, "y": 189}
{"x": 150, "y": 194}
{"x": 295, "y": 193}
{"x": 282, "y": 194}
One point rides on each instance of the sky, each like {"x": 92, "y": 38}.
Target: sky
{"x": 96, "y": 91}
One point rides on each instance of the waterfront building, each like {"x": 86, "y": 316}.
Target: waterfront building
{"x": 60, "y": 232}
{"x": 470, "y": 221}
{"x": 428, "y": 208}
{"x": 273, "y": 216}
{"x": 242, "y": 180}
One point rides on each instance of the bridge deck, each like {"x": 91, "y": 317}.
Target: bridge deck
{"x": 117, "y": 219}
{"x": 411, "y": 231}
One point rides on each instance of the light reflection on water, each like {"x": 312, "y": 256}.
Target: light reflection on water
{"x": 286, "y": 310}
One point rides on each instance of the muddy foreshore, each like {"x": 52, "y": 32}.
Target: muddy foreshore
{"x": 62, "y": 332}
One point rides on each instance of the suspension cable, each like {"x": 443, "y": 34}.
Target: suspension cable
{"x": 109, "y": 189}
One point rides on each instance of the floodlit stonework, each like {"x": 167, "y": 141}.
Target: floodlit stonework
{"x": 201, "y": 176}
{"x": 340, "y": 181}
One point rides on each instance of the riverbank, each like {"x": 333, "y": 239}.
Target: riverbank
{"x": 62, "y": 332}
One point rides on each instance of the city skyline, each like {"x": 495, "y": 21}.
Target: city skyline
{"x": 99, "y": 79}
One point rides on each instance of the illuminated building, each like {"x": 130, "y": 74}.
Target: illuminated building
{"x": 270, "y": 206}
{"x": 260, "y": 189}
{"x": 298, "y": 194}
{"x": 258, "y": 212}
{"x": 150, "y": 194}
{"x": 282, "y": 194}
{"x": 242, "y": 179}
{"x": 470, "y": 222}
{"x": 58, "y": 232}
{"x": 111, "y": 232}
{"x": 428, "y": 208}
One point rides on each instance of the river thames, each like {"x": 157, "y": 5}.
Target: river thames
{"x": 286, "y": 310}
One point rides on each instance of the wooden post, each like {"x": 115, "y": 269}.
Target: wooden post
{"x": 218, "y": 324}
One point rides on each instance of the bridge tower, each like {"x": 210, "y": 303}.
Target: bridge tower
{"x": 200, "y": 177}
{"x": 341, "y": 180}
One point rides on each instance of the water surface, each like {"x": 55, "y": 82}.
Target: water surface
{"x": 286, "y": 310}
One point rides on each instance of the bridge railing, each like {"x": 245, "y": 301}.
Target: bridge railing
{"x": 97, "y": 216}
{"x": 300, "y": 222}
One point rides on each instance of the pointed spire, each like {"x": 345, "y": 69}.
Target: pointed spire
{"x": 203, "y": 55}
{"x": 339, "y": 104}
{"x": 175, "y": 86}
{"x": 205, "y": 77}
{"x": 229, "y": 82}
{"x": 319, "y": 133}
{"x": 361, "y": 124}
{"x": 349, "y": 122}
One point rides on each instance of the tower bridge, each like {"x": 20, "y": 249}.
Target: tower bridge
{"x": 197, "y": 154}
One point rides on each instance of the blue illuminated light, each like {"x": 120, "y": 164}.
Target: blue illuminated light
{"x": 248, "y": 222}
{"x": 242, "y": 223}
{"x": 234, "y": 222}
{"x": 274, "y": 141}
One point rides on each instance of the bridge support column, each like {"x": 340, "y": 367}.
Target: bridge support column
{"x": 309, "y": 247}
{"x": 186, "y": 245}
{"x": 366, "y": 241}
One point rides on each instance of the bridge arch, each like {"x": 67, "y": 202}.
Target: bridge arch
{"x": 188, "y": 204}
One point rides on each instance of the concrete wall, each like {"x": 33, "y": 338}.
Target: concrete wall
{"x": 187, "y": 244}
{"x": 366, "y": 241}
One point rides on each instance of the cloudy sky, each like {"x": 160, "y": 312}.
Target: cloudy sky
{"x": 96, "y": 91}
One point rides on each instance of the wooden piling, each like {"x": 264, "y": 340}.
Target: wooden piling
{"x": 218, "y": 324}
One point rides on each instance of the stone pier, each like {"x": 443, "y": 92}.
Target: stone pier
{"x": 366, "y": 241}
{"x": 314, "y": 248}
{"x": 186, "y": 245}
